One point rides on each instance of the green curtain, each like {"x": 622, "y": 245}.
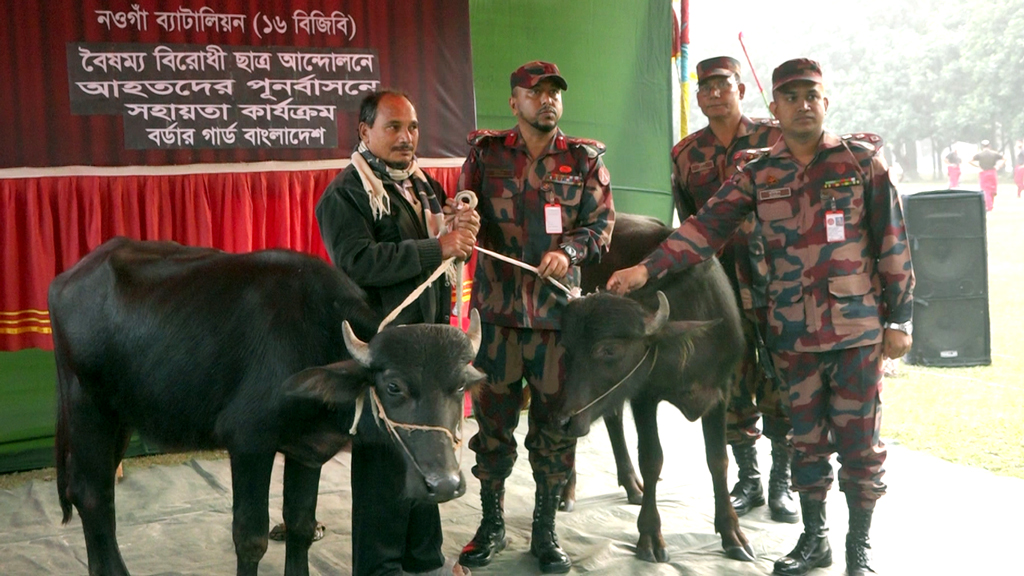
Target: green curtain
{"x": 616, "y": 58}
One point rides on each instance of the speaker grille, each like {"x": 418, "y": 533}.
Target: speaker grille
{"x": 946, "y": 230}
{"x": 951, "y": 332}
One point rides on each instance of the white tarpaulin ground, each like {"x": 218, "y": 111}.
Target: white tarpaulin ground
{"x": 938, "y": 518}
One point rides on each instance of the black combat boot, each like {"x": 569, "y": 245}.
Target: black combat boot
{"x": 747, "y": 493}
{"x": 490, "y": 536}
{"x": 812, "y": 550}
{"x": 544, "y": 542}
{"x": 780, "y": 499}
{"x": 857, "y": 547}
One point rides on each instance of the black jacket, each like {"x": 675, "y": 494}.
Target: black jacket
{"x": 388, "y": 257}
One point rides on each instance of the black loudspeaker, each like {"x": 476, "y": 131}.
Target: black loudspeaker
{"x": 946, "y": 230}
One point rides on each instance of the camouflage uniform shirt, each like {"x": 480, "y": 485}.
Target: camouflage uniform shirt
{"x": 513, "y": 189}
{"x": 822, "y": 295}
{"x": 700, "y": 165}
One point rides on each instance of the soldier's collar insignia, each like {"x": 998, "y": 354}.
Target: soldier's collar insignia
{"x": 854, "y": 181}
{"x": 774, "y": 193}
{"x": 703, "y": 166}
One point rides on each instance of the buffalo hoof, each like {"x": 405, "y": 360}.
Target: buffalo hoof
{"x": 742, "y": 553}
{"x": 279, "y": 532}
{"x": 567, "y": 499}
{"x": 650, "y": 549}
{"x": 634, "y": 491}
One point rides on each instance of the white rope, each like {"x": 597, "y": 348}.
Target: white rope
{"x": 570, "y": 293}
{"x": 415, "y": 293}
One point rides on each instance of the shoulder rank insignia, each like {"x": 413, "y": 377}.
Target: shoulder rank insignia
{"x": 477, "y": 136}
{"x": 865, "y": 139}
{"x": 594, "y": 148}
{"x": 682, "y": 144}
{"x": 765, "y": 121}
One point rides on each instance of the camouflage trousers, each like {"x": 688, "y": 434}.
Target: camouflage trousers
{"x": 753, "y": 395}
{"x": 508, "y": 356}
{"x": 834, "y": 402}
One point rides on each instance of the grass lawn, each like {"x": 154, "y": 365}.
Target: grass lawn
{"x": 973, "y": 415}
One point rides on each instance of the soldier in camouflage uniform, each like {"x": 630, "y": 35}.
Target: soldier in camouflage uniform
{"x": 701, "y": 163}
{"x": 839, "y": 293}
{"x": 545, "y": 200}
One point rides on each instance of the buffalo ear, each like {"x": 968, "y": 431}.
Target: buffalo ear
{"x": 333, "y": 385}
{"x": 689, "y": 328}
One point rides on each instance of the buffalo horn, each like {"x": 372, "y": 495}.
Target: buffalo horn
{"x": 474, "y": 330}
{"x": 655, "y": 324}
{"x": 359, "y": 350}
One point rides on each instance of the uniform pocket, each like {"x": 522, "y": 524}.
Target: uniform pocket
{"x": 504, "y": 205}
{"x": 770, "y": 210}
{"x": 854, "y": 303}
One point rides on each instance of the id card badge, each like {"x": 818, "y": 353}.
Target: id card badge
{"x": 835, "y": 226}
{"x": 553, "y": 218}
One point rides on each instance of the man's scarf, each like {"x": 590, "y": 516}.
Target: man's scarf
{"x": 373, "y": 172}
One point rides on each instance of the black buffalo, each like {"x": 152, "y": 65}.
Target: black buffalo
{"x": 684, "y": 354}
{"x": 197, "y": 349}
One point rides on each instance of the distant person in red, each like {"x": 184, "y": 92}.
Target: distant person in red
{"x": 989, "y": 161}
{"x": 953, "y": 167}
{"x": 1018, "y": 172}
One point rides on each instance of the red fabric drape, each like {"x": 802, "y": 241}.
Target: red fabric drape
{"x": 48, "y": 224}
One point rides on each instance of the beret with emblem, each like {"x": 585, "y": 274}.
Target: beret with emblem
{"x": 529, "y": 74}
{"x": 717, "y": 66}
{"x": 796, "y": 69}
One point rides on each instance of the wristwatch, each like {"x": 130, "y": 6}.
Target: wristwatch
{"x": 905, "y": 327}
{"x": 571, "y": 252}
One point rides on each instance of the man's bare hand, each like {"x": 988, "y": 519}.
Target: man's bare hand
{"x": 627, "y": 279}
{"x": 457, "y": 244}
{"x": 895, "y": 343}
{"x": 459, "y": 215}
{"x": 554, "y": 264}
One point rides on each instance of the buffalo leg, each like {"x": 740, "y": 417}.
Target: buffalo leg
{"x": 623, "y": 464}
{"x": 726, "y": 522}
{"x": 250, "y": 484}
{"x": 301, "y": 484}
{"x": 94, "y": 457}
{"x": 651, "y": 546}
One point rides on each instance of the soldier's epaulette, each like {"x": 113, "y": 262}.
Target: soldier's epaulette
{"x": 682, "y": 144}
{"x": 744, "y": 157}
{"x": 867, "y": 140}
{"x": 766, "y": 122}
{"x": 477, "y": 136}
{"x": 594, "y": 148}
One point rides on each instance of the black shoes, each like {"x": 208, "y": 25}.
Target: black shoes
{"x": 780, "y": 500}
{"x": 490, "y": 536}
{"x": 812, "y": 550}
{"x": 747, "y": 494}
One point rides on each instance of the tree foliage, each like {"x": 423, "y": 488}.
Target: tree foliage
{"x": 930, "y": 70}
{"x": 909, "y": 70}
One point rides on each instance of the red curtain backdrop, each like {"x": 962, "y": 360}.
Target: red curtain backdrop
{"x": 422, "y": 47}
{"x": 48, "y": 224}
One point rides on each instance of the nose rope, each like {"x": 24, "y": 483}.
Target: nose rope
{"x": 620, "y": 382}
{"x": 391, "y": 426}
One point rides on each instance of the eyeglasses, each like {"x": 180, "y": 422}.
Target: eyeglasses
{"x": 720, "y": 86}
